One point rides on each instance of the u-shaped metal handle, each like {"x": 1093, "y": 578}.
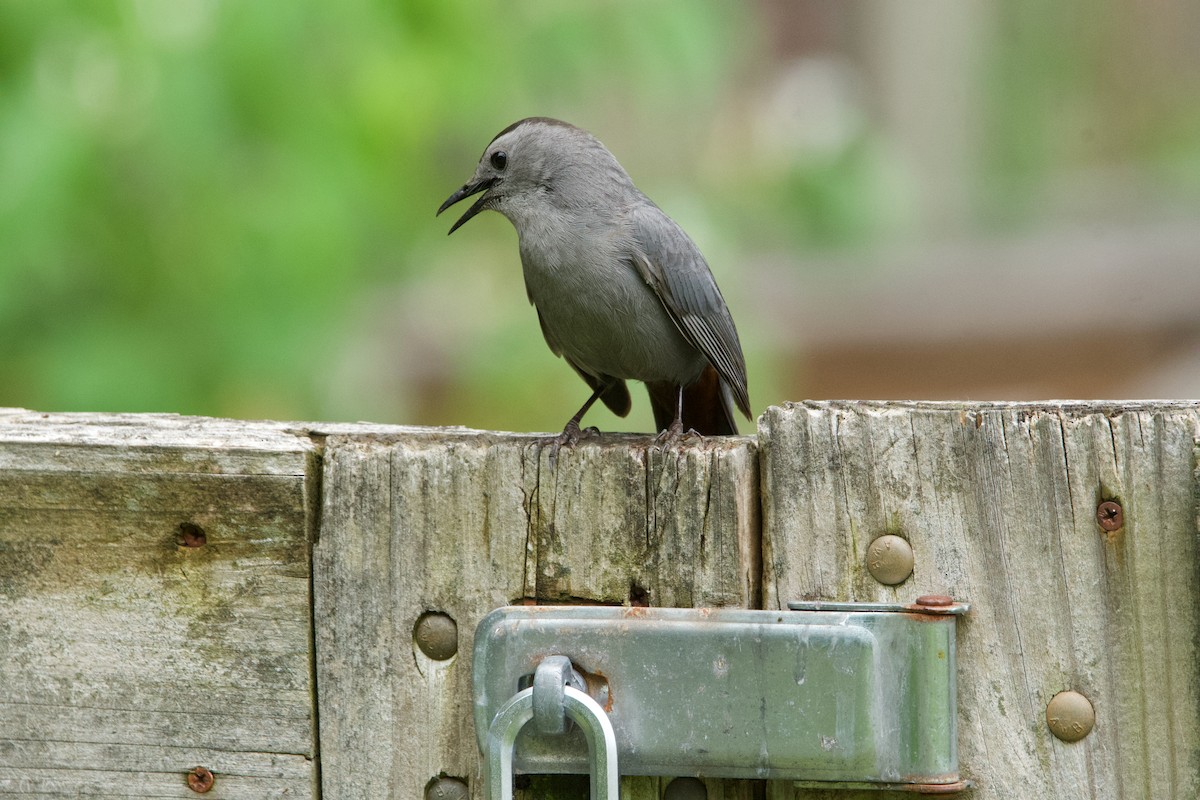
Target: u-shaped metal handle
{"x": 587, "y": 714}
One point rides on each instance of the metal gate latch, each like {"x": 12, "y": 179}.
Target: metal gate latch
{"x": 549, "y": 704}
{"x": 829, "y": 695}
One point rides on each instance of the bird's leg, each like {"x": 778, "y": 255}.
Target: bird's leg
{"x": 571, "y": 433}
{"x": 677, "y": 423}
{"x": 674, "y": 431}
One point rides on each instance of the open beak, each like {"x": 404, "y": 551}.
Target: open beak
{"x": 466, "y": 191}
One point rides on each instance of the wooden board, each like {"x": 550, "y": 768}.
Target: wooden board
{"x": 462, "y": 523}
{"x": 127, "y": 659}
{"x": 999, "y": 504}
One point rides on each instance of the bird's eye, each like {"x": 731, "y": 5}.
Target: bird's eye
{"x": 499, "y": 159}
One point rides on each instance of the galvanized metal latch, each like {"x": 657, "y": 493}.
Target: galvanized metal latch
{"x": 831, "y": 695}
{"x": 550, "y": 703}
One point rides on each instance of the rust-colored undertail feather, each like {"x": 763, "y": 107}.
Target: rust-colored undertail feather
{"x": 705, "y": 407}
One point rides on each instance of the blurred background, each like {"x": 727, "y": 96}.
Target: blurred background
{"x": 227, "y": 208}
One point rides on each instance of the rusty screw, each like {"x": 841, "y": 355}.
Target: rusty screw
{"x": 446, "y": 789}
{"x": 200, "y": 780}
{"x": 191, "y": 535}
{"x": 437, "y": 635}
{"x": 1110, "y": 515}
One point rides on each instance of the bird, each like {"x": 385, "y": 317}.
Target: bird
{"x": 621, "y": 291}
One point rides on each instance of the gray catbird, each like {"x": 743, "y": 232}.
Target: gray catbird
{"x": 620, "y": 290}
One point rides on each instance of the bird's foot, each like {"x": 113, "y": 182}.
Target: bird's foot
{"x": 675, "y": 435}
{"x": 572, "y": 434}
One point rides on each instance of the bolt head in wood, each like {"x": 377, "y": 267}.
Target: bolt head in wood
{"x": 447, "y": 789}
{"x": 192, "y": 535}
{"x": 200, "y": 780}
{"x": 890, "y": 559}
{"x": 1070, "y": 716}
{"x": 686, "y": 789}
{"x": 1110, "y": 515}
{"x": 436, "y": 634}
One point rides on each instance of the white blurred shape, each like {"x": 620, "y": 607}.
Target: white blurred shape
{"x": 812, "y": 112}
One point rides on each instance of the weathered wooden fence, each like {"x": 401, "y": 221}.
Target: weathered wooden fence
{"x": 247, "y": 597}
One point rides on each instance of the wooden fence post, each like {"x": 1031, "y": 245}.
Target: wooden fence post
{"x": 461, "y": 523}
{"x": 154, "y": 607}
{"x": 999, "y": 503}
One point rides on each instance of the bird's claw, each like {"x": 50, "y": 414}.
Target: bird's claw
{"x": 674, "y": 434}
{"x": 572, "y": 434}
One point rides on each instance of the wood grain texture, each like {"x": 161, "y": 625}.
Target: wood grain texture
{"x": 998, "y": 502}
{"x": 465, "y": 522}
{"x": 126, "y": 659}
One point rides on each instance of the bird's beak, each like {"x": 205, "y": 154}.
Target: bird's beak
{"x": 467, "y": 190}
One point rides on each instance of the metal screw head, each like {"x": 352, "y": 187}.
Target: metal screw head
{"x": 935, "y": 600}
{"x": 437, "y": 635}
{"x": 200, "y": 780}
{"x": 1070, "y": 716}
{"x": 686, "y": 789}
{"x": 446, "y": 789}
{"x": 890, "y": 559}
{"x": 1110, "y": 515}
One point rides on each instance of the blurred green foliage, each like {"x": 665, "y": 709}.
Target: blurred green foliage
{"x": 227, "y": 207}
{"x": 196, "y": 194}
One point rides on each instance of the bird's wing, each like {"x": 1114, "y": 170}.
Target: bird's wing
{"x": 672, "y": 265}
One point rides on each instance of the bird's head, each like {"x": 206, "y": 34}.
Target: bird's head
{"x": 539, "y": 162}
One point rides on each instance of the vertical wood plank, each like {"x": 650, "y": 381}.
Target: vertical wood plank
{"x": 462, "y": 523}
{"x": 999, "y": 503}
{"x": 126, "y": 658}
